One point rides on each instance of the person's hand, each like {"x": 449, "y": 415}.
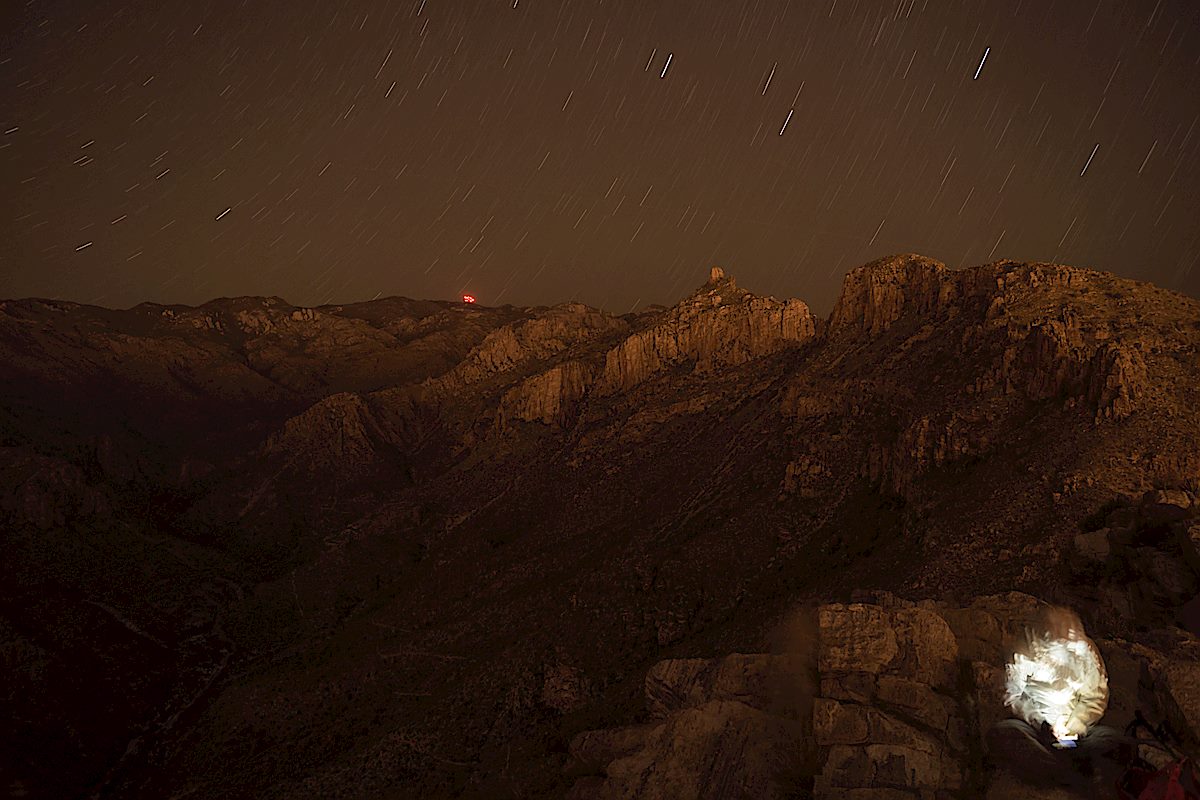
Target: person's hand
{"x": 1045, "y": 735}
{"x": 1075, "y": 726}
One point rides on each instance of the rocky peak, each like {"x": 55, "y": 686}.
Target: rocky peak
{"x": 542, "y": 336}
{"x": 717, "y": 275}
{"x": 874, "y": 296}
{"x": 718, "y": 325}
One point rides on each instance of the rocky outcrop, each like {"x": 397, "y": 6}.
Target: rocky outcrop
{"x": 45, "y": 492}
{"x": 1142, "y": 561}
{"x": 1060, "y": 356}
{"x": 713, "y": 460}
{"x": 887, "y": 717}
{"x": 898, "y": 708}
{"x": 876, "y": 295}
{"x": 732, "y": 727}
{"x": 719, "y": 325}
{"x": 1057, "y": 358}
{"x": 339, "y": 435}
{"x": 1117, "y": 381}
{"x": 548, "y": 397}
{"x": 926, "y": 443}
{"x": 529, "y": 341}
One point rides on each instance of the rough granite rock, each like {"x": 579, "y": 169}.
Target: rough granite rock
{"x": 856, "y": 638}
{"x": 547, "y": 397}
{"x": 722, "y": 749}
{"x": 719, "y": 325}
{"x": 592, "y": 751}
{"x": 870, "y": 745}
{"x": 45, "y": 492}
{"x": 887, "y": 720}
{"x": 874, "y": 296}
{"x": 930, "y": 651}
{"x": 339, "y": 433}
{"x": 886, "y": 766}
{"x": 738, "y": 726}
{"x": 1179, "y": 688}
{"x": 1189, "y": 543}
{"x": 759, "y": 680}
{"x": 528, "y": 341}
{"x": 649, "y": 520}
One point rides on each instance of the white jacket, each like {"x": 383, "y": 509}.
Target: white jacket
{"x": 1058, "y": 680}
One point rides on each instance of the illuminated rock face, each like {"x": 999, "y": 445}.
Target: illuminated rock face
{"x": 1060, "y": 680}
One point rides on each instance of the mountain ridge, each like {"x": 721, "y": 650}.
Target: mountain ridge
{"x": 469, "y": 531}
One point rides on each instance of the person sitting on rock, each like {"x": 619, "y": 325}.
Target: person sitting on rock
{"x": 1056, "y": 682}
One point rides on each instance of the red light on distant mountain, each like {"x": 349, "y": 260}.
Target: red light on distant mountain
{"x": 468, "y": 298}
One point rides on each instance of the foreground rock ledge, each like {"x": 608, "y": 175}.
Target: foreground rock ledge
{"x": 890, "y": 701}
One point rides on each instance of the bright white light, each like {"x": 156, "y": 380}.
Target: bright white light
{"x": 1059, "y": 681}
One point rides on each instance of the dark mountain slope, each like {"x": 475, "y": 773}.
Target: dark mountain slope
{"x": 456, "y": 550}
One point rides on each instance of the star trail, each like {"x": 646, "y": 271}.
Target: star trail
{"x": 608, "y": 151}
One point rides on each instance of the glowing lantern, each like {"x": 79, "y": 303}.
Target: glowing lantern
{"x": 468, "y": 298}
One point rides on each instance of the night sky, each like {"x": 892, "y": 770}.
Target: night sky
{"x": 610, "y": 151}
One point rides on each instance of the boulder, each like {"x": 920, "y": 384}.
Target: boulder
{"x": 717, "y": 750}
{"x": 856, "y": 687}
{"x": 564, "y": 688}
{"x": 676, "y": 684}
{"x": 1189, "y": 544}
{"x": 1093, "y": 548}
{"x": 1178, "y": 689}
{"x": 989, "y": 680}
{"x": 836, "y": 723}
{"x": 1163, "y": 506}
{"x": 979, "y": 634}
{"x": 855, "y": 638}
{"x": 929, "y": 651}
{"x": 592, "y": 751}
{"x": 1124, "y": 675}
{"x": 917, "y": 701}
{"x": 886, "y": 765}
{"x": 768, "y": 682}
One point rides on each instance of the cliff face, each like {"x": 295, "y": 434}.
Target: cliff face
{"x": 550, "y": 396}
{"x": 876, "y": 295}
{"x": 718, "y": 326}
{"x": 338, "y": 434}
{"x": 403, "y": 548}
{"x": 46, "y": 492}
{"x": 531, "y": 341}
{"x": 990, "y": 339}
